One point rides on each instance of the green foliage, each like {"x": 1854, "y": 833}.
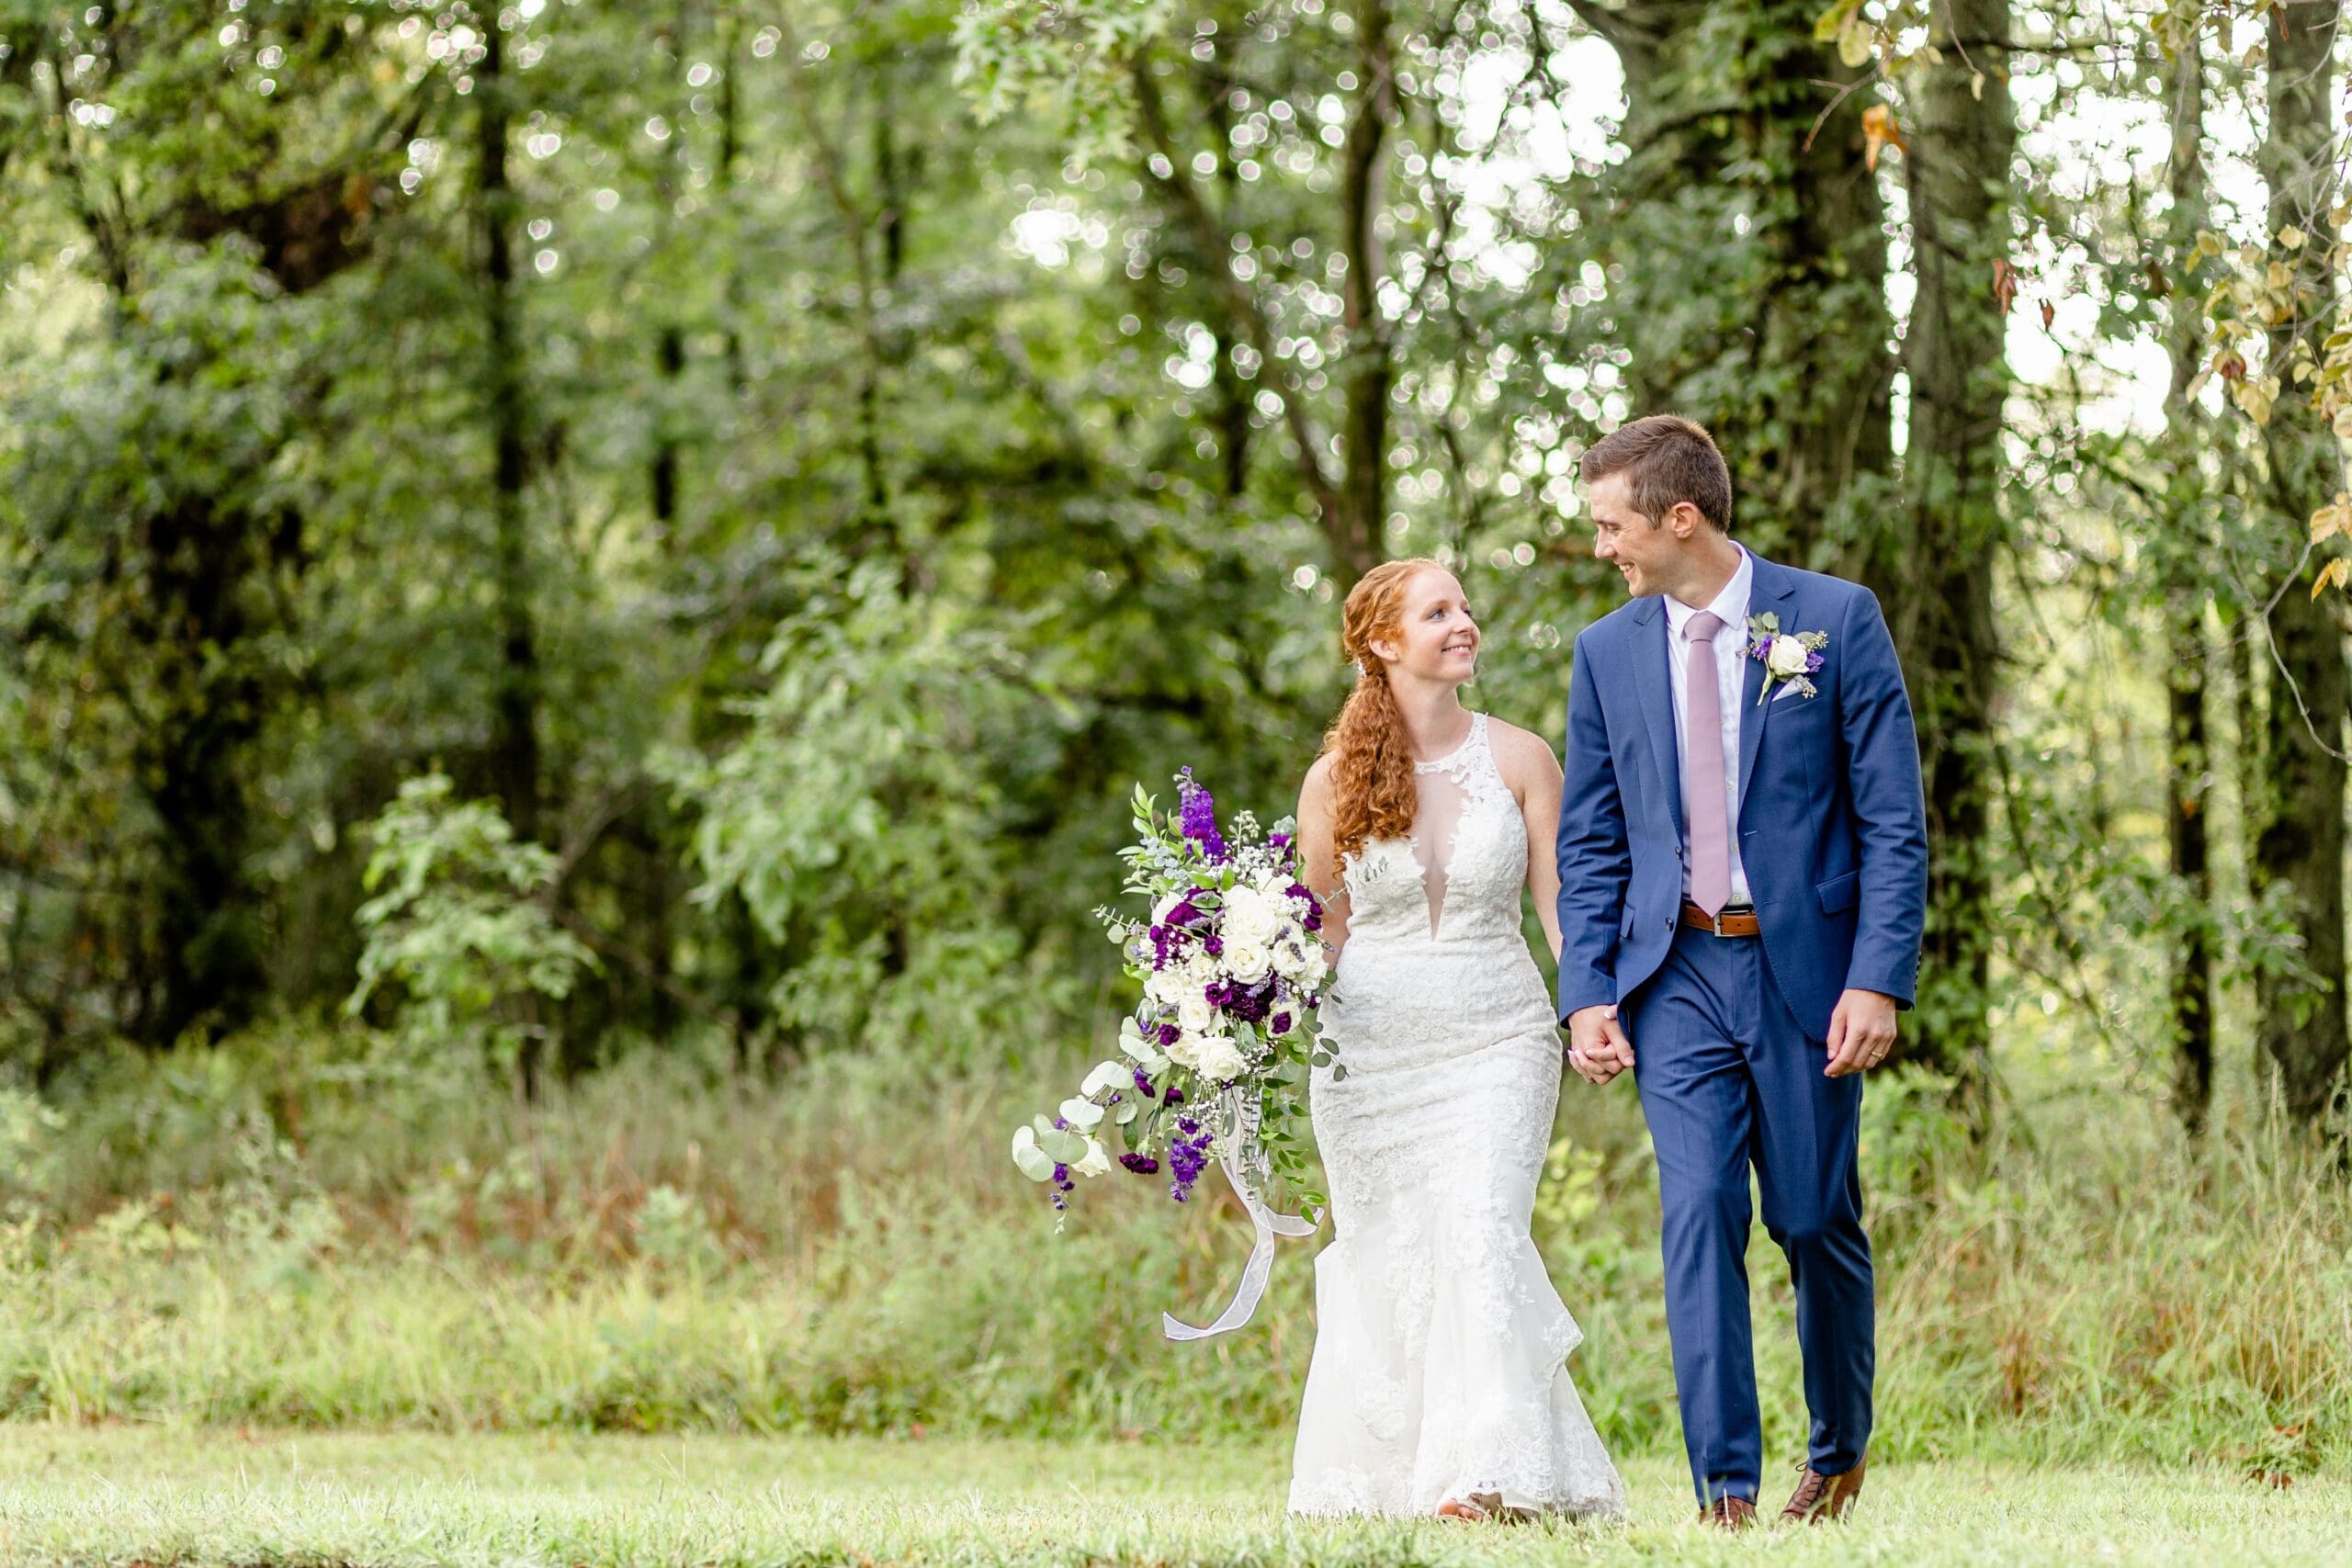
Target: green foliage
{"x": 658, "y": 1247}
{"x": 856, "y": 818}
{"x": 1065, "y": 64}
{"x": 458, "y": 921}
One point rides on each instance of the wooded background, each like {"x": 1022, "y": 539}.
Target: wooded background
{"x": 769, "y": 479}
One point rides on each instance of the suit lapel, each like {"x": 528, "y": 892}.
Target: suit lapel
{"x": 1771, "y": 588}
{"x": 1651, "y": 671}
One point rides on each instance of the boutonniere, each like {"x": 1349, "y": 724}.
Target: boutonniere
{"x": 1789, "y": 658}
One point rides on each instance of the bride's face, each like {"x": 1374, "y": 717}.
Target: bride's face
{"x": 1437, "y": 638}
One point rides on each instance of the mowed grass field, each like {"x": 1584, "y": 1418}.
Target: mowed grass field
{"x": 167, "y": 1496}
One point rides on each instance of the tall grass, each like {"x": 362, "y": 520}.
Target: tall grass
{"x": 295, "y": 1232}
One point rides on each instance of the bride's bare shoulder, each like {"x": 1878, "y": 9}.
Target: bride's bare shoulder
{"x": 1315, "y": 794}
{"x": 1521, "y": 754}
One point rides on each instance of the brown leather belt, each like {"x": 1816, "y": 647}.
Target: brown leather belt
{"x": 1729, "y": 922}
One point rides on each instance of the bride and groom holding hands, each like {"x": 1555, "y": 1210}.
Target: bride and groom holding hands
{"x": 1733, "y": 871}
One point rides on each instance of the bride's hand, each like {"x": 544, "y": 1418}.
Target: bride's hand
{"x": 1598, "y": 1048}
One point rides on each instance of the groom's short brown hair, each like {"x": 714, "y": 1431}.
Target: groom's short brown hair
{"x": 1665, "y": 458}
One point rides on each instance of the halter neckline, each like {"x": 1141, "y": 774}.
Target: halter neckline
{"x": 1477, "y": 728}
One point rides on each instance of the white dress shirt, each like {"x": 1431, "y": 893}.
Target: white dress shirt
{"x": 1730, "y": 606}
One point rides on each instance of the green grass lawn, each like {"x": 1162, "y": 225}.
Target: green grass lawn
{"x": 126, "y": 1496}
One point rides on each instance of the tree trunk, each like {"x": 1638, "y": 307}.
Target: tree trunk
{"x": 2188, "y": 779}
{"x": 2302, "y": 841}
{"x": 515, "y": 731}
{"x": 1368, "y": 370}
{"x": 198, "y": 562}
{"x": 1778, "y": 341}
{"x": 723, "y": 176}
{"x": 1937, "y": 581}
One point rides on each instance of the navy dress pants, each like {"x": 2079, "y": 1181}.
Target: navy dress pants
{"x": 1728, "y": 1080}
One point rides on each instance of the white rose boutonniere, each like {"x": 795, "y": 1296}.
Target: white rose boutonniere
{"x": 1790, "y": 659}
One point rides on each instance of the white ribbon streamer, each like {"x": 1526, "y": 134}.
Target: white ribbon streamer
{"x": 1244, "y": 1160}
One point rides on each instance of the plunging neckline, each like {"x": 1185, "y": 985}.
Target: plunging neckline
{"x": 1450, "y": 763}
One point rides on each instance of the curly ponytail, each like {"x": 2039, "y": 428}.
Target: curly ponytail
{"x": 1372, "y": 757}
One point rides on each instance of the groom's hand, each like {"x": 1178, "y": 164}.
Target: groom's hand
{"x": 1598, "y": 1047}
{"x": 1862, "y": 1032}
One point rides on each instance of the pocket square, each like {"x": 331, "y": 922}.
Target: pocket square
{"x": 1788, "y": 689}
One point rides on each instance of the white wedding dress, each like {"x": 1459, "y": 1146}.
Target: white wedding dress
{"x": 1438, "y": 1369}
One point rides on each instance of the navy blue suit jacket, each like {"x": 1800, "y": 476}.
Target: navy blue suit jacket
{"x": 1832, "y": 825}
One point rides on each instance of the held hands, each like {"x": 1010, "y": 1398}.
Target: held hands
{"x": 1862, "y": 1032}
{"x": 1597, "y": 1046}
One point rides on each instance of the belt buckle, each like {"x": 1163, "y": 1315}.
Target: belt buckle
{"x": 1716, "y": 919}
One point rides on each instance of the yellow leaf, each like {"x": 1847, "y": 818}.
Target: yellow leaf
{"x": 2332, "y": 575}
{"x": 2329, "y": 521}
{"x": 1854, "y": 43}
{"x": 2292, "y": 237}
{"x": 2342, "y": 424}
{"x": 1827, "y": 25}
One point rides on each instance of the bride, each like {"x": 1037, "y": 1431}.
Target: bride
{"x": 1439, "y": 1382}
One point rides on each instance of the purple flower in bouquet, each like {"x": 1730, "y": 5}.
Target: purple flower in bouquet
{"x": 1199, "y": 817}
{"x": 1281, "y": 1024}
{"x": 1248, "y": 1003}
{"x": 1142, "y": 1164}
{"x": 1188, "y": 1156}
{"x": 1143, "y": 1084}
{"x": 1169, "y": 1035}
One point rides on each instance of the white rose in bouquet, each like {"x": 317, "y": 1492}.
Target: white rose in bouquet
{"x": 1194, "y": 1014}
{"x": 1186, "y": 1052}
{"x": 1786, "y": 657}
{"x": 1220, "y": 1059}
{"x": 1097, "y": 1161}
{"x": 1247, "y": 962}
{"x": 1249, "y": 917}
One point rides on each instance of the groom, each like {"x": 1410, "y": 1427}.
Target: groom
{"x": 1743, "y": 880}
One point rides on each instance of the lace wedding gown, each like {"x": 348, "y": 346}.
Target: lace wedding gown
{"x": 1439, "y": 1348}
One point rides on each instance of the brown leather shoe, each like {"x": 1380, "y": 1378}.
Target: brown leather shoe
{"x": 1819, "y": 1496}
{"x": 1728, "y": 1513}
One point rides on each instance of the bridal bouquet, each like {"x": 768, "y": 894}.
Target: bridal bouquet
{"x": 1215, "y": 1059}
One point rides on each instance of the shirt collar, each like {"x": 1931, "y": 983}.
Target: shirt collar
{"x": 1730, "y": 606}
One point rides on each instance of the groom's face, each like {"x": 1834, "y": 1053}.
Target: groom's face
{"x": 1644, "y": 548}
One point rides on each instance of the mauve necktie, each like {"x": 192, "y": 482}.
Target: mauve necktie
{"x": 1702, "y": 768}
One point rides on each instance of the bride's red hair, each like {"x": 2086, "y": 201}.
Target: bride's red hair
{"x": 1372, "y": 758}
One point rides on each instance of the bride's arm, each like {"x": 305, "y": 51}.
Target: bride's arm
{"x": 1317, "y": 868}
{"x": 1533, "y": 774}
